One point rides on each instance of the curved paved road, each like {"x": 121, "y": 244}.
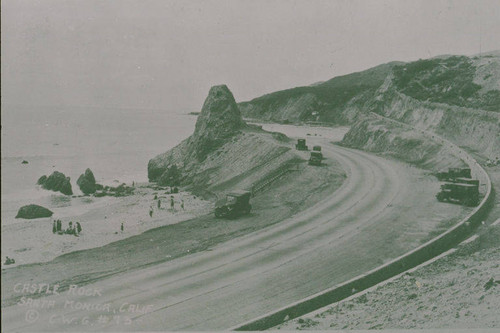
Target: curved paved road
{"x": 249, "y": 276}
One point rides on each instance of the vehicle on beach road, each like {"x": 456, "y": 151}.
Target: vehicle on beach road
{"x": 235, "y": 204}
{"x": 454, "y": 173}
{"x": 466, "y": 181}
{"x": 316, "y": 158}
{"x": 464, "y": 194}
{"x": 301, "y": 144}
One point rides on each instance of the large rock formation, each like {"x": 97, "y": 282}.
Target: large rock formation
{"x": 57, "y": 181}
{"x": 86, "y": 182}
{"x": 218, "y": 122}
{"x": 33, "y": 212}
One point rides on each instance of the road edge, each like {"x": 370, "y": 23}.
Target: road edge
{"x": 418, "y": 256}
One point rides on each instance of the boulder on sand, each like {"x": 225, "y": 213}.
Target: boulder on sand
{"x": 42, "y": 180}
{"x": 57, "y": 181}
{"x": 86, "y": 182}
{"x": 33, "y": 212}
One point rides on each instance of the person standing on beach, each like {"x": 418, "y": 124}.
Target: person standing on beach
{"x": 159, "y": 203}
{"x": 172, "y": 202}
{"x": 150, "y": 211}
{"x": 54, "y": 227}
{"x": 121, "y": 227}
{"x": 182, "y": 204}
{"x": 71, "y": 229}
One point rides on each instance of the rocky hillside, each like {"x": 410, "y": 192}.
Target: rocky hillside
{"x": 323, "y": 102}
{"x": 390, "y": 139}
{"x": 223, "y": 152}
{"x": 456, "y": 80}
{"x": 456, "y": 97}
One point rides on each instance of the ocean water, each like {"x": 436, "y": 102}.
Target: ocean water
{"x": 116, "y": 144}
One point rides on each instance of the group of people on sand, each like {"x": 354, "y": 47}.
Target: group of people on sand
{"x": 9, "y": 261}
{"x": 172, "y": 205}
{"x": 70, "y": 230}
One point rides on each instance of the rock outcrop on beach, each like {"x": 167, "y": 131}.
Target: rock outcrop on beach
{"x": 33, "y": 212}
{"x": 86, "y": 182}
{"x": 218, "y": 122}
{"x": 57, "y": 182}
{"x": 42, "y": 180}
{"x": 223, "y": 152}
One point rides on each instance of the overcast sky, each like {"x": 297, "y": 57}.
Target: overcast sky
{"x": 160, "y": 54}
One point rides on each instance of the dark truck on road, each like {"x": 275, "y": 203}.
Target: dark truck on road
{"x": 235, "y": 204}
{"x": 454, "y": 173}
{"x": 464, "y": 194}
{"x": 301, "y": 144}
{"x": 466, "y": 181}
{"x": 316, "y": 158}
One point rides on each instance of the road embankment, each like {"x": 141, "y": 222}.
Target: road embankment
{"x": 424, "y": 252}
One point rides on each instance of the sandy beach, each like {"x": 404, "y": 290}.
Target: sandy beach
{"x": 101, "y": 220}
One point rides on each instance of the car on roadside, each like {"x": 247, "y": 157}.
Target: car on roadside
{"x": 234, "y": 204}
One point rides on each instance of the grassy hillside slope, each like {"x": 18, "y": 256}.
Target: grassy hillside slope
{"x": 320, "y": 102}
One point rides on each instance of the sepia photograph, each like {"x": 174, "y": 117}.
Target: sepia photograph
{"x": 241, "y": 165}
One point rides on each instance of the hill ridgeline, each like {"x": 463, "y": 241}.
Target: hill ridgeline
{"x": 457, "y": 97}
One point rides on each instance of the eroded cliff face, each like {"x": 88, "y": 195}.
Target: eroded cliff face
{"x": 476, "y": 129}
{"x": 387, "y": 138}
{"x": 454, "y": 97}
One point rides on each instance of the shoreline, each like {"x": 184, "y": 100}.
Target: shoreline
{"x": 101, "y": 220}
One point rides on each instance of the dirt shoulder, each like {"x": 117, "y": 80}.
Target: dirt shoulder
{"x": 273, "y": 205}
